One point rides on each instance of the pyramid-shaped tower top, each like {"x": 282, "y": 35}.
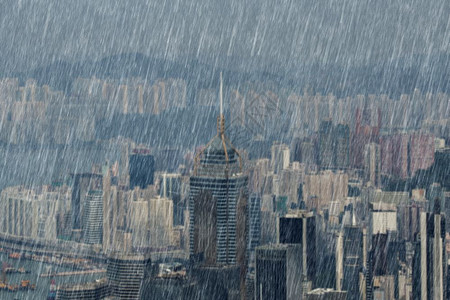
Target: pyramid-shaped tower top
{"x": 219, "y": 158}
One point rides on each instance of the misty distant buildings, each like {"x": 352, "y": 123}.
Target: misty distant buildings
{"x": 326, "y": 145}
{"x": 404, "y": 154}
{"x": 367, "y": 130}
{"x": 305, "y": 151}
{"x": 280, "y": 157}
{"x": 342, "y": 146}
{"x": 335, "y": 205}
{"x": 135, "y": 96}
{"x": 322, "y": 188}
{"x": 421, "y": 152}
{"x": 334, "y": 143}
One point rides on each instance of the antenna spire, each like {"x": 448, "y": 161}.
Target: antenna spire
{"x": 221, "y": 118}
{"x": 221, "y": 95}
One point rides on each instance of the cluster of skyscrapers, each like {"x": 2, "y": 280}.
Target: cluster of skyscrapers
{"x": 341, "y": 211}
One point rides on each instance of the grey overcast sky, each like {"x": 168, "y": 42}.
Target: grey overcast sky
{"x": 37, "y": 32}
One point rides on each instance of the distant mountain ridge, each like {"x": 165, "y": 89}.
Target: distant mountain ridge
{"x": 390, "y": 77}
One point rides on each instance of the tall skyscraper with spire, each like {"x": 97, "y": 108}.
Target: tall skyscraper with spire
{"x": 218, "y": 201}
{"x": 218, "y": 204}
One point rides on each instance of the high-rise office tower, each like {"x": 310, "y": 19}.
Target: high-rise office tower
{"x": 218, "y": 200}
{"x": 372, "y": 164}
{"x": 326, "y": 145}
{"x": 160, "y": 222}
{"x": 324, "y": 187}
{"x": 429, "y": 264}
{"x": 110, "y": 209}
{"x": 254, "y": 232}
{"x": 421, "y": 152}
{"x": 125, "y": 274}
{"x": 401, "y": 157}
{"x": 218, "y": 204}
{"x": 350, "y": 261}
{"x": 383, "y": 265}
{"x": 258, "y": 175}
{"x": 306, "y": 152}
{"x": 170, "y": 188}
{"x": 300, "y": 228}
{"x": 434, "y": 194}
{"x": 82, "y": 183}
{"x": 366, "y": 131}
{"x": 280, "y": 157}
{"x": 341, "y": 134}
{"x": 278, "y": 272}
{"x": 138, "y": 219}
{"x": 334, "y": 145}
{"x": 142, "y": 168}
{"x": 446, "y": 211}
{"x": 409, "y": 219}
{"x": 394, "y": 154}
{"x": 93, "y": 218}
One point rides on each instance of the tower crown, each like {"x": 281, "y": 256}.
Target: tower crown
{"x": 219, "y": 152}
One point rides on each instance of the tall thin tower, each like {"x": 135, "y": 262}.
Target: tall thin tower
{"x": 218, "y": 201}
{"x": 217, "y": 214}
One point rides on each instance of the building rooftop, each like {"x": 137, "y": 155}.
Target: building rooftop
{"x": 323, "y": 291}
{"x": 87, "y": 286}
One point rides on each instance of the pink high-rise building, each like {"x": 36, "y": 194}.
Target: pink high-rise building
{"x": 403, "y": 154}
{"x": 421, "y": 152}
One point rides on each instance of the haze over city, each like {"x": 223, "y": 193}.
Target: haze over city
{"x": 224, "y": 149}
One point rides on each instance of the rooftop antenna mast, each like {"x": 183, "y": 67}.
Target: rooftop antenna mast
{"x": 221, "y": 119}
{"x": 221, "y": 95}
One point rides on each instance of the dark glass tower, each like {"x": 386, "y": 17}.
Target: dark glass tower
{"x": 218, "y": 213}
{"x": 278, "y": 272}
{"x": 218, "y": 203}
{"x": 142, "y": 168}
{"x": 300, "y": 228}
{"x": 81, "y": 185}
{"x": 353, "y": 261}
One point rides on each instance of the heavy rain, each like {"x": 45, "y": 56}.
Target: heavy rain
{"x": 225, "y": 149}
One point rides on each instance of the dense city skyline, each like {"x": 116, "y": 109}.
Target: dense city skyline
{"x": 228, "y": 150}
